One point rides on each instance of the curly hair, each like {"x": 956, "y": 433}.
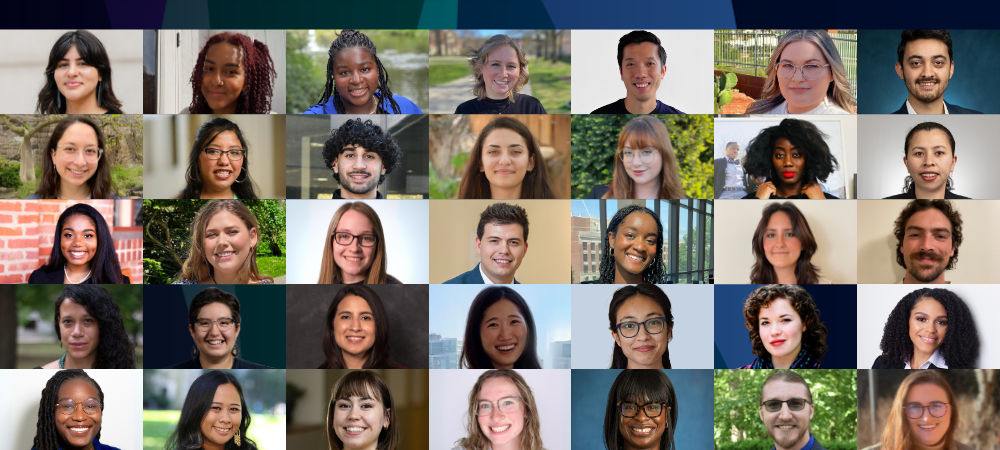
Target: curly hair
{"x": 365, "y": 384}
{"x": 813, "y": 339}
{"x": 244, "y": 189}
{"x": 104, "y": 266}
{"x": 639, "y": 133}
{"x": 896, "y": 435}
{"x": 535, "y": 184}
{"x": 819, "y": 164}
{"x": 478, "y": 58}
{"x": 329, "y": 272}
{"x": 946, "y": 208}
{"x": 356, "y": 133}
{"x": 259, "y": 75}
{"x": 101, "y": 184}
{"x": 762, "y": 271}
{"x": 640, "y": 386}
{"x": 187, "y": 435}
{"x": 622, "y": 295}
{"x": 656, "y": 273}
{"x": 46, "y": 436}
{"x": 531, "y": 434}
{"x": 91, "y": 50}
{"x": 927, "y": 126}
{"x": 115, "y": 350}
{"x": 197, "y": 267}
{"x": 378, "y": 357}
{"x": 473, "y": 356}
{"x": 960, "y": 346}
{"x": 350, "y": 39}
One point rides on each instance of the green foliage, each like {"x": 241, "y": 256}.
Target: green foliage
{"x": 152, "y": 272}
{"x": 724, "y": 89}
{"x": 444, "y": 188}
{"x": 758, "y": 444}
{"x": 271, "y": 265}
{"x": 550, "y": 83}
{"x": 9, "y": 174}
{"x": 595, "y": 141}
{"x": 453, "y": 70}
{"x": 304, "y": 78}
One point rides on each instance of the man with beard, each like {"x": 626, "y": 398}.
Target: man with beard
{"x": 925, "y": 65}
{"x": 360, "y": 155}
{"x": 786, "y": 407}
{"x": 928, "y": 234}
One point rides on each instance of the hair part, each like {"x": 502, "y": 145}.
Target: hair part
{"x": 104, "y": 266}
{"x": 960, "y": 347}
{"x": 622, "y": 295}
{"x": 329, "y": 272}
{"x": 915, "y": 206}
{"x": 479, "y": 57}
{"x": 640, "y": 133}
{"x": 813, "y": 339}
{"x": 803, "y": 134}
{"x": 187, "y": 435}
{"x": 763, "y": 271}
{"x": 351, "y": 39}
{"x": 46, "y": 436}
{"x": 640, "y": 386}
{"x": 91, "y": 50}
{"x": 259, "y": 75}
{"x": 364, "y": 383}
{"x": 378, "y": 356}
{"x": 197, "y": 266}
{"x": 531, "y": 434}
{"x": 896, "y": 434}
{"x": 656, "y": 273}
{"x": 927, "y": 126}
{"x": 100, "y": 183}
{"x": 535, "y": 185}
{"x": 473, "y": 356}
{"x": 908, "y": 36}
{"x": 245, "y": 189}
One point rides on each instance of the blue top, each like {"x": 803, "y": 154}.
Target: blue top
{"x": 97, "y": 446}
{"x": 808, "y": 446}
{"x": 405, "y": 106}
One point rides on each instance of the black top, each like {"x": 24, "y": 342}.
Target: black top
{"x": 800, "y": 196}
{"x": 522, "y": 104}
{"x": 40, "y": 276}
{"x": 912, "y": 195}
{"x": 237, "y": 364}
{"x": 952, "y": 109}
{"x": 619, "y": 108}
{"x": 336, "y": 194}
{"x": 598, "y": 191}
{"x": 880, "y": 363}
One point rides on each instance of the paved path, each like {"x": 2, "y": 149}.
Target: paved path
{"x": 444, "y": 98}
{"x": 280, "y": 280}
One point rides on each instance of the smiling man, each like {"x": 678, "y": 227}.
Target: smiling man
{"x": 786, "y": 407}
{"x": 642, "y": 63}
{"x": 925, "y": 64}
{"x": 928, "y": 234}
{"x": 361, "y": 155}
{"x": 502, "y": 242}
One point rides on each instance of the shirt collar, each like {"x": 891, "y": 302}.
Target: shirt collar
{"x": 486, "y": 279}
{"x": 909, "y": 109}
{"x": 936, "y": 359}
{"x": 808, "y": 446}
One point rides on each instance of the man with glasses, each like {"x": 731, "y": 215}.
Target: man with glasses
{"x": 642, "y": 63}
{"x": 925, "y": 64}
{"x": 502, "y": 242}
{"x": 361, "y": 155}
{"x": 786, "y": 407}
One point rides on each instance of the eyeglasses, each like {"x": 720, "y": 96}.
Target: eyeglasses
{"x": 225, "y": 324}
{"x": 916, "y": 410}
{"x": 645, "y": 155}
{"x": 652, "y": 410}
{"x": 631, "y": 329}
{"x": 216, "y": 154}
{"x": 366, "y": 240}
{"x": 809, "y": 71}
{"x": 90, "y": 406}
{"x": 794, "y": 404}
{"x": 70, "y": 153}
{"x": 507, "y": 405}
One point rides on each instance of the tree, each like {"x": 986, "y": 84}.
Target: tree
{"x": 305, "y": 78}
{"x": 26, "y": 131}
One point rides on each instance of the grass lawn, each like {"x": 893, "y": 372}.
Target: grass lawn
{"x": 268, "y": 431}
{"x": 550, "y": 84}
{"x": 33, "y": 355}
{"x": 443, "y": 71}
{"x": 271, "y": 265}
{"x": 126, "y": 177}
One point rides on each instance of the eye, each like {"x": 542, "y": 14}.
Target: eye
{"x": 651, "y": 241}
{"x": 368, "y": 318}
{"x": 764, "y": 322}
{"x": 367, "y": 406}
{"x": 492, "y": 325}
{"x": 370, "y": 157}
{"x": 796, "y": 155}
{"x": 515, "y": 321}
{"x": 943, "y": 323}
{"x": 786, "y": 319}
{"x": 216, "y": 408}
{"x": 234, "y": 409}
{"x": 779, "y": 155}
{"x": 88, "y": 320}
{"x": 628, "y": 325}
{"x": 210, "y": 235}
{"x": 629, "y": 64}
{"x": 343, "y": 406}
{"x": 655, "y": 323}
{"x": 68, "y": 235}
{"x": 769, "y": 235}
{"x": 366, "y": 69}
{"x": 915, "y": 64}
{"x": 789, "y": 234}
{"x": 234, "y": 232}
{"x": 921, "y": 319}
{"x": 811, "y": 67}
{"x": 629, "y": 236}
{"x": 349, "y": 155}
{"x": 343, "y": 73}
{"x": 492, "y": 151}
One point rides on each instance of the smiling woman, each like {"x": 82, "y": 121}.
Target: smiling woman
{"x": 506, "y": 417}
{"x": 78, "y": 78}
{"x": 645, "y": 163}
{"x": 355, "y": 250}
{"x": 500, "y": 70}
{"x": 234, "y": 74}
{"x": 90, "y": 327}
{"x": 499, "y": 332}
{"x": 783, "y": 246}
{"x": 630, "y": 253}
{"x": 223, "y": 246}
{"x": 217, "y": 161}
{"x": 76, "y": 167}
{"x": 785, "y": 330}
{"x": 70, "y": 413}
{"x": 924, "y": 415}
{"x": 83, "y": 251}
{"x": 929, "y": 328}
{"x": 641, "y": 411}
{"x": 214, "y": 324}
{"x": 361, "y": 414}
{"x": 642, "y": 326}
{"x": 214, "y": 416}
{"x": 356, "y": 335}
{"x": 505, "y": 163}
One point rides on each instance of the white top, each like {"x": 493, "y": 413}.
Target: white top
{"x": 909, "y": 109}
{"x": 935, "y": 359}
{"x": 826, "y": 107}
{"x": 486, "y": 279}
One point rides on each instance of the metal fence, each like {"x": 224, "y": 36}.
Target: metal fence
{"x": 749, "y": 51}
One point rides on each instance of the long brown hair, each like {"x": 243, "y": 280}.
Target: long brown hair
{"x": 197, "y": 267}
{"x": 762, "y": 271}
{"x": 329, "y": 272}
{"x": 646, "y": 132}
{"x": 531, "y": 434}
{"x": 896, "y": 435}
{"x": 535, "y": 185}
{"x": 101, "y": 185}
{"x": 379, "y": 356}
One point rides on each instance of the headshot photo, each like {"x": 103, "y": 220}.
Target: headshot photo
{"x": 214, "y": 327}
{"x": 925, "y": 71}
{"x": 480, "y": 410}
{"x": 793, "y": 158}
{"x": 782, "y": 326}
{"x": 655, "y": 409}
{"x": 483, "y": 72}
{"x": 787, "y": 242}
{"x": 787, "y": 71}
{"x": 210, "y": 157}
{"x": 930, "y": 166}
{"x": 645, "y": 326}
{"x": 356, "y": 326}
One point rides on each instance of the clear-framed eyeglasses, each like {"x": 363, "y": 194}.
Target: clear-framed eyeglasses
{"x": 916, "y": 410}
{"x": 366, "y": 240}
{"x": 67, "y": 407}
{"x": 646, "y": 155}
{"x": 630, "y": 329}
{"x": 225, "y": 324}
{"x": 630, "y": 409}
{"x": 215, "y": 154}
{"x": 507, "y": 405}
{"x": 809, "y": 71}
{"x": 71, "y": 153}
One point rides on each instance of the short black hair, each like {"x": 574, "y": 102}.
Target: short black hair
{"x": 946, "y": 208}
{"x": 213, "y": 295}
{"x": 638, "y": 37}
{"x": 503, "y": 214}
{"x": 367, "y": 135}
{"x": 640, "y": 386}
{"x": 960, "y": 347}
{"x": 911, "y": 35}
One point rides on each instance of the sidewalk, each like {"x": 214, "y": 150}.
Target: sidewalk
{"x": 446, "y": 97}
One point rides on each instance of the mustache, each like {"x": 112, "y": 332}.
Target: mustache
{"x": 931, "y": 255}
{"x": 934, "y": 79}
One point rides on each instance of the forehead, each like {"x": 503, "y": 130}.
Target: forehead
{"x": 779, "y": 220}
{"x": 355, "y": 222}
{"x": 640, "y": 221}
{"x": 72, "y": 54}
{"x": 929, "y": 139}
{"x": 778, "y": 307}
{"x": 501, "y": 308}
{"x": 224, "y": 53}
{"x": 639, "y": 306}
{"x": 784, "y": 390}
{"x": 503, "y": 137}
{"x": 357, "y": 149}
{"x": 353, "y": 55}
{"x": 505, "y": 231}
{"x": 925, "y": 48}
{"x": 79, "y": 222}
{"x": 504, "y": 53}
{"x": 353, "y": 303}
{"x": 77, "y": 389}
{"x": 802, "y": 51}
{"x": 496, "y": 388}
{"x": 214, "y": 311}
{"x": 225, "y": 139}
{"x": 930, "y": 306}
{"x": 226, "y": 394}
{"x": 783, "y": 143}
{"x": 69, "y": 308}
{"x": 930, "y": 218}
{"x": 225, "y": 219}
{"x": 640, "y": 51}
{"x": 79, "y": 133}
{"x": 926, "y": 393}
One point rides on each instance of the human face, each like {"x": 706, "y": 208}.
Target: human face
{"x": 78, "y": 240}
{"x": 228, "y": 243}
{"x": 635, "y": 243}
{"x": 640, "y": 171}
{"x": 213, "y": 342}
{"x": 642, "y": 70}
{"x": 222, "y": 77}
{"x": 355, "y": 75}
{"x": 930, "y": 160}
{"x": 642, "y": 431}
{"x": 75, "y": 78}
{"x": 506, "y": 160}
{"x": 501, "y": 72}
{"x": 781, "y": 329}
{"x": 358, "y": 421}
{"x": 926, "y": 69}
{"x": 645, "y": 349}
{"x": 504, "y": 334}
{"x": 354, "y": 326}
{"x": 733, "y": 151}
{"x": 928, "y": 431}
{"x": 225, "y": 414}
{"x": 77, "y": 430}
{"x": 499, "y": 427}
{"x": 78, "y": 331}
{"x": 354, "y": 260}
{"x": 781, "y": 247}
{"x": 803, "y": 95}
{"x": 220, "y": 174}
{"x": 789, "y": 429}
{"x": 928, "y": 325}
{"x": 77, "y": 171}
{"x": 359, "y": 169}
{"x": 501, "y": 251}
{"x": 789, "y": 162}
{"x": 927, "y": 245}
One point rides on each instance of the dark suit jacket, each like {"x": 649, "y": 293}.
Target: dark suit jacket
{"x": 471, "y": 277}
{"x": 952, "y": 109}
{"x": 41, "y": 277}
{"x": 880, "y": 363}
{"x": 720, "y": 179}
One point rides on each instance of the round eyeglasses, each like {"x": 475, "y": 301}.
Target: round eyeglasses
{"x": 652, "y": 410}
{"x": 225, "y": 324}
{"x": 507, "y": 405}
{"x": 645, "y": 155}
{"x": 631, "y": 329}
{"x": 67, "y": 407}
{"x": 794, "y": 404}
{"x": 809, "y": 71}
{"x": 71, "y": 153}
{"x": 216, "y": 154}
{"x": 366, "y": 240}
{"x": 916, "y": 410}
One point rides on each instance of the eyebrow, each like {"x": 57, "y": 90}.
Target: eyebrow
{"x": 807, "y": 61}
{"x": 224, "y": 65}
{"x": 933, "y": 230}
{"x": 509, "y": 315}
{"x": 71, "y": 229}
{"x": 493, "y": 236}
{"x": 651, "y": 233}
{"x": 783, "y": 315}
{"x": 360, "y": 313}
{"x": 511, "y": 145}
{"x": 227, "y": 227}
{"x": 921, "y": 313}
{"x": 361, "y": 398}
{"x": 632, "y": 58}
{"x": 916, "y": 147}
{"x": 231, "y": 404}
{"x": 346, "y": 67}
{"x": 912, "y": 57}
{"x": 654, "y": 313}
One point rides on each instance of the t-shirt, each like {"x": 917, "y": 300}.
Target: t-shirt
{"x": 522, "y": 104}
{"x": 405, "y": 106}
{"x": 619, "y": 108}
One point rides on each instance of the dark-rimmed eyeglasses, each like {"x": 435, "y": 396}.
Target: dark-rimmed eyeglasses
{"x": 215, "y": 154}
{"x": 630, "y": 329}
{"x": 794, "y": 404}
{"x": 916, "y": 410}
{"x": 652, "y": 410}
{"x": 366, "y": 240}
{"x": 507, "y": 405}
{"x": 67, "y": 407}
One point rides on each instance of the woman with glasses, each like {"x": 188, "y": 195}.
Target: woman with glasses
{"x": 792, "y": 158}
{"x": 785, "y": 330}
{"x": 355, "y": 248}
{"x": 89, "y": 326}
{"x": 805, "y": 76}
{"x": 645, "y": 164}
{"x": 357, "y": 331}
{"x": 83, "y": 251}
{"x": 223, "y": 246}
{"x": 502, "y": 414}
{"x": 929, "y": 329}
{"x": 75, "y": 168}
{"x": 214, "y": 324}
{"x": 640, "y": 400}
{"x": 70, "y": 413}
{"x": 924, "y": 415}
{"x": 499, "y": 332}
{"x": 642, "y": 326}
{"x": 218, "y": 167}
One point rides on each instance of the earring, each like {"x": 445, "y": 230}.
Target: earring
{"x": 236, "y": 437}
{"x": 194, "y": 351}
{"x": 244, "y": 178}
{"x": 98, "y": 94}
{"x": 58, "y": 101}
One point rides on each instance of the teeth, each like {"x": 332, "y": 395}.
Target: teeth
{"x": 354, "y": 429}
{"x": 354, "y": 339}
{"x": 928, "y": 340}
{"x": 641, "y": 85}
{"x": 80, "y": 429}
{"x": 634, "y": 258}
{"x": 78, "y": 173}
{"x": 215, "y": 342}
{"x": 223, "y": 430}
{"x": 353, "y": 259}
{"x": 504, "y": 348}
{"x": 501, "y": 83}
{"x": 927, "y": 426}
{"x": 225, "y": 173}
{"x": 645, "y": 430}
{"x": 77, "y": 254}
{"x": 358, "y": 91}
{"x": 223, "y": 255}
{"x": 786, "y": 427}
{"x": 500, "y": 429}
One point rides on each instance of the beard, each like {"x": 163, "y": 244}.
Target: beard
{"x": 359, "y": 189}
{"x": 924, "y": 274}
{"x": 927, "y": 97}
{"x": 789, "y": 439}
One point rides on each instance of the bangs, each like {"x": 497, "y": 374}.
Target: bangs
{"x": 643, "y": 386}
{"x": 639, "y": 136}
{"x": 358, "y": 386}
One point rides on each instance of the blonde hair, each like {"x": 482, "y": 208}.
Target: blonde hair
{"x": 646, "y": 132}
{"x": 531, "y": 435}
{"x": 197, "y": 266}
{"x": 329, "y": 272}
{"x": 477, "y": 59}
{"x": 896, "y": 435}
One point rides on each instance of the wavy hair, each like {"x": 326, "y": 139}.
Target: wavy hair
{"x": 915, "y": 206}
{"x": 839, "y": 91}
{"x": 813, "y": 339}
{"x": 474, "y": 183}
{"x": 531, "y": 434}
{"x": 762, "y": 271}
{"x": 115, "y": 350}
{"x": 351, "y": 39}
{"x": 378, "y": 357}
{"x": 927, "y": 126}
{"x": 46, "y": 436}
{"x": 960, "y": 347}
{"x": 367, "y": 135}
{"x": 640, "y": 386}
{"x": 199, "y": 399}
{"x": 640, "y": 133}
{"x": 259, "y": 75}
{"x": 197, "y": 266}
{"x": 329, "y": 272}
{"x": 896, "y": 435}
{"x": 104, "y": 266}
{"x": 656, "y": 273}
{"x": 244, "y": 189}
{"x": 803, "y": 134}
{"x": 912, "y": 35}
{"x": 473, "y": 356}
{"x": 479, "y": 57}
{"x": 622, "y": 295}
{"x": 101, "y": 184}
{"x": 91, "y": 50}
{"x": 364, "y": 384}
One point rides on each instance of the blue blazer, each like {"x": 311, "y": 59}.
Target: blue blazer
{"x": 471, "y": 277}
{"x": 952, "y": 109}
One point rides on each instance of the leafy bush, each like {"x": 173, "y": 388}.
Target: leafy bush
{"x": 761, "y": 444}
{"x": 9, "y": 177}
{"x": 152, "y": 272}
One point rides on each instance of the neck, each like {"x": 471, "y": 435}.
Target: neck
{"x": 496, "y": 280}
{"x": 909, "y": 279}
{"x": 918, "y": 446}
{"x": 344, "y": 193}
{"x": 85, "y": 363}
{"x": 86, "y": 105}
{"x": 787, "y": 190}
{"x": 786, "y": 275}
{"x": 76, "y": 273}
{"x": 221, "y": 277}
{"x": 804, "y": 109}
{"x": 623, "y": 277}
{"x": 636, "y": 106}
{"x": 922, "y": 193}
{"x": 634, "y": 365}
{"x": 228, "y": 109}
{"x": 934, "y": 107}
{"x": 225, "y": 362}
{"x": 208, "y": 193}
{"x": 206, "y": 445}
{"x": 355, "y": 361}
{"x": 652, "y": 445}
{"x": 513, "y": 193}
{"x": 786, "y": 361}
{"x": 351, "y": 279}
{"x": 650, "y": 190}
{"x": 513, "y": 444}
{"x": 68, "y": 191}
{"x": 919, "y": 358}
{"x": 363, "y": 109}
{"x": 796, "y": 446}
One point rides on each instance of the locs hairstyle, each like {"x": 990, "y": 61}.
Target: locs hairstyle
{"x": 804, "y": 135}
{"x": 655, "y": 273}
{"x": 214, "y": 295}
{"x": 640, "y": 133}
{"x": 638, "y": 37}
{"x": 915, "y": 206}
{"x": 640, "y": 386}
{"x": 897, "y": 430}
{"x": 813, "y": 339}
{"x": 356, "y": 133}
{"x": 197, "y": 266}
{"x": 379, "y": 356}
{"x": 473, "y": 356}
{"x": 350, "y": 39}
{"x": 329, "y": 272}
{"x": 927, "y": 126}
{"x": 258, "y": 78}
{"x": 475, "y": 185}
{"x": 503, "y": 214}
{"x": 762, "y": 271}
{"x": 478, "y": 59}
{"x": 364, "y": 383}
{"x": 50, "y": 100}
{"x": 104, "y": 267}
{"x": 960, "y": 347}
{"x": 101, "y": 185}
{"x": 46, "y": 436}
{"x": 531, "y": 434}
{"x": 622, "y": 295}
{"x": 199, "y": 399}
{"x": 912, "y": 35}
{"x": 245, "y": 188}
{"x": 115, "y": 350}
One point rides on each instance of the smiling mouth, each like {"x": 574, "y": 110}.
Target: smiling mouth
{"x": 357, "y": 92}
{"x": 641, "y": 85}
{"x": 927, "y": 83}
{"x": 359, "y": 177}
{"x": 644, "y": 348}
{"x": 927, "y": 426}
{"x": 502, "y": 84}
{"x": 500, "y": 429}
{"x": 354, "y": 430}
{"x": 223, "y": 174}
{"x": 506, "y": 348}
{"x": 225, "y": 255}
{"x": 929, "y": 176}
{"x": 928, "y": 340}
{"x": 77, "y": 254}
{"x": 785, "y": 427}
{"x": 355, "y": 339}
{"x": 79, "y": 430}
{"x": 353, "y": 259}
{"x": 502, "y": 262}
{"x": 644, "y": 431}
{"x": 504, "y": 172}
{"x": 78, "y": 345}
{"x": 638, "y": 172}
{"x": 74, "y": 172}
{"x": 215, "y": 343}
{"x": 222, "y": 430}
{"x": 635, "y": 258}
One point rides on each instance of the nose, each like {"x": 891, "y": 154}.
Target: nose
{"x": 505, "y": 332}
{"x": 799, "y": 74}
{"x": 643, "y": 333}
{"x": 504, "y": 158}
{"x": 358, "y": 163}
{"x": 78, "y": 414}
{"x": 787, "y": 160}
{"x": 496, "y": 414}
{"x": 77, "y": 329}
{"x": 780, "y": 240}
{"x": 926, "y": 242}
{"x": 355, "y": 77}
{"x": 773, "y": 330}
{"x": 785, "y": 412}
{"x": 356, "y": 323}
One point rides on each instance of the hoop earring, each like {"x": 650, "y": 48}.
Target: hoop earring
{"x": 98, "y": 94}
{"x": 242, "y": 171}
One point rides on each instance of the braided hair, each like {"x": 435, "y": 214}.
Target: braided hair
{"x": 258, "y": 84}
{"x": 350, "y": 39}
{"x": 46, "y": 437}
{"x": 656, "y": 273}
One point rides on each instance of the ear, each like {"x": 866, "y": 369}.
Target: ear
{"x": 954, "y": 160}
{"x": 253, "y": 237}
{"x": 386, "y": 424}
{"x": 611, "y": 237}
{"x": 383, "y": 169}
{"x": 663, "y": 72}
{"x": 951, "y": 73}
{"x": 236, "y": 330}
{"x": 531, "y": 162}
{"x": 525, "y": 249}
{"x": 478, "y": 243}
{"x": 812, "y": 409}
{"x": 760, "y": 412}
{"x": 616, "y": 338}
{"x": 899, "y": 71}
{"x": 190, "y": 329}
{"x": 334, "y": 166}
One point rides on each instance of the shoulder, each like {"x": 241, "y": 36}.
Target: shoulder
{"x": 830, "y": 196}
{"x": 881, "y": 363}
{"x": 953, "y": 196}
{"x": 612, "y": 108}
{"x": 896, "y": 197}
{"x": 51, "y": 365}
{"x": 663, "y": 108}
{"x": 598, "y": 191}
{"x": 902, "y": 109}
{"x": 318, "y": 109}
{"x": 467, "y": 107}
{"x": 34, "y": 196}
{"x": 955, "y": 109}
{"x": 185, "y": 281}
{"x": 189, "y": 364}
{"x": 470, "y": 277}
{"x": 406, "y": 106}
{"x": 40, "y": 276}
{"x": 531, "y": 104}
{"x": 244, "y": 364}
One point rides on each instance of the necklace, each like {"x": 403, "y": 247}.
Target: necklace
{"x": 76, "y": 282}
{"x": 62, "y": 361}
{"x": 375, "y": 108}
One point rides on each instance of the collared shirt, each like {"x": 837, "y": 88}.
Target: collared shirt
{"x": 808, "y": 446}
{"x": 826, "y": 107}
{"x": 909, "y": 109}
{"x": 486, "y": 279}
{"x": 734, "y": 174}
{"x": 935, "y": 359}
